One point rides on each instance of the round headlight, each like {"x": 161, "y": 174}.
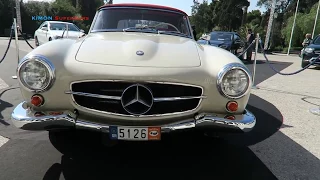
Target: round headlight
{"x": 234, "y": 81}
{"x": 36, "y": 73}
{"x": 309, "y": 50}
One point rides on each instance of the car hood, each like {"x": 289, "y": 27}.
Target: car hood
{"x": 315, "y": 46}
{"x": 219, "y": 43}
{"x": 122, "y": 49}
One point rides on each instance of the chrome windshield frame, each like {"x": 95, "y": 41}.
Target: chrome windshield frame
{"x": 188, "y": 25}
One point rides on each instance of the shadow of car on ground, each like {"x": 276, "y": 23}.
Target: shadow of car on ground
{"x": 180, "y": 155}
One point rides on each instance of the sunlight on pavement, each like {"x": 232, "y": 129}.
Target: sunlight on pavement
{"x": 3, "y": 140}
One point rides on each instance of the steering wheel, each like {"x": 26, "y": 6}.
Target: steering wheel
{"x": 167, "y": 24}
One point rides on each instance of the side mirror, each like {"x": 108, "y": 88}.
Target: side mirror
{"x": 81, "y": 30}
{"x": 44, "y": 28}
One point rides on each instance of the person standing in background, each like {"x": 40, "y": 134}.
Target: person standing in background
{"x": 194, "y": 32}
{"x": 250, "y": 39}
{"x": 307, "y": 40}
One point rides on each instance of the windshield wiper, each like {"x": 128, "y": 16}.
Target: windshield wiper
{"x": 173, "y": 33}
{"x": 138, "y": 28}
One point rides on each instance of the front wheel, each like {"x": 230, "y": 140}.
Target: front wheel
{"x": 304, "y": 64}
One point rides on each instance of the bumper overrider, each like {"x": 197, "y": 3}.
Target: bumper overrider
{"x": 23, "y": 118}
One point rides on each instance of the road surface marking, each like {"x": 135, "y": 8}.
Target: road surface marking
{"x": 3, "y": 85}
{"x": 3, "y": 140}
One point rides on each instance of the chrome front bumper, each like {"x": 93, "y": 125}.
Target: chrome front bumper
{"x": 23, "y": 118}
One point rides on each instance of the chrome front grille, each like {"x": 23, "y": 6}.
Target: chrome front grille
{"x": 113, "y": 96}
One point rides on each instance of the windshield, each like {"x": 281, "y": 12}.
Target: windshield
{"x": 142, "y": 20}
{"x": 62, "y": 26}
{"x": 221, "y": 36}
{"x": 317, "y": 40}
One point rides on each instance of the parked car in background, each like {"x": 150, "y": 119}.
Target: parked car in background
{"x": 137, "y": 74}
{"x": 310, "y": 51}
{"x": 230, "y": 41}
{"x": 51, "y": 30}
{"x": 202, "y": 41}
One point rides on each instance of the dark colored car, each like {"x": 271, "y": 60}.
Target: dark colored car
{"x": 312, "y": 50}
{"x": 230, "y": 41}
{"x": 202, "y": 41}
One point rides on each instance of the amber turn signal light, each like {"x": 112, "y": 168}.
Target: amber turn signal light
{"x": 37, "y": 100}
{"x": 232, "y": 106}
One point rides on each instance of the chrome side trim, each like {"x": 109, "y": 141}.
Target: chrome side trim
{"x": 43, "y": 60}
{"x": 136, "y": 81}
{"x": 94, "y": 95}
{"x": 178, "y": 98}
{"x": 119, "y": 97}
{"x": 225, "y": 70}
{"x": 22, "y": 118}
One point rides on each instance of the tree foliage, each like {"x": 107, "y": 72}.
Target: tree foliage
{"x": 222, "y": 15}
{"x": 41, "y": 8}
{"x": 304, "y": 25}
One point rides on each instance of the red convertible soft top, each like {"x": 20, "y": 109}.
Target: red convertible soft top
{"x": 143, "y": 6}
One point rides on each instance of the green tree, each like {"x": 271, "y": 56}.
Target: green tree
{"x": 223, "y": 15}
{"x": 228, "y": 14}
{"x": 304, "y": 25}
{"x": 33, "y": 8}
{"x": 6, "y": 11}
{"x": 201, "y": 17}
{"x": 286, "y": 32}
{"x": 254, "y": 17}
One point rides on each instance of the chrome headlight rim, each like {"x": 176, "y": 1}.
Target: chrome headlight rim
{"x": 225, "y": 70}
{"x": 44, "y": 61}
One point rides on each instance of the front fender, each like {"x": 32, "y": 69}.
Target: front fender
{"x": 57, "y": 52}
{"x": 54, "y": 50}
{"x": 213, "y": 60}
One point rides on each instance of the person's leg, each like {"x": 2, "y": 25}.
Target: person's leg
{"x": 249, "y": 54}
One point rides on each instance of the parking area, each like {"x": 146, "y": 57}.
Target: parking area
{"x": 284, "y": 144}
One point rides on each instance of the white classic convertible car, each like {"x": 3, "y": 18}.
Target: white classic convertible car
{"x": 138, "y": 73}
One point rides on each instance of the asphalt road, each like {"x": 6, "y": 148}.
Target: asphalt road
{"x": 36, "y": 155}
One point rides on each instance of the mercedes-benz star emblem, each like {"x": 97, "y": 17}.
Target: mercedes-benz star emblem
{"x": 137, "y": 99}
{"x": 140, "y": 53}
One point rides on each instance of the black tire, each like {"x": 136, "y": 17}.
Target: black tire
{"x": 304, "y": 64}
{"x": 36, "y": 41}
{"x": 50, "y": 39}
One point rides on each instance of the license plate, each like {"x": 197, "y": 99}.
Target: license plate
{"x": 135, "y": 133}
